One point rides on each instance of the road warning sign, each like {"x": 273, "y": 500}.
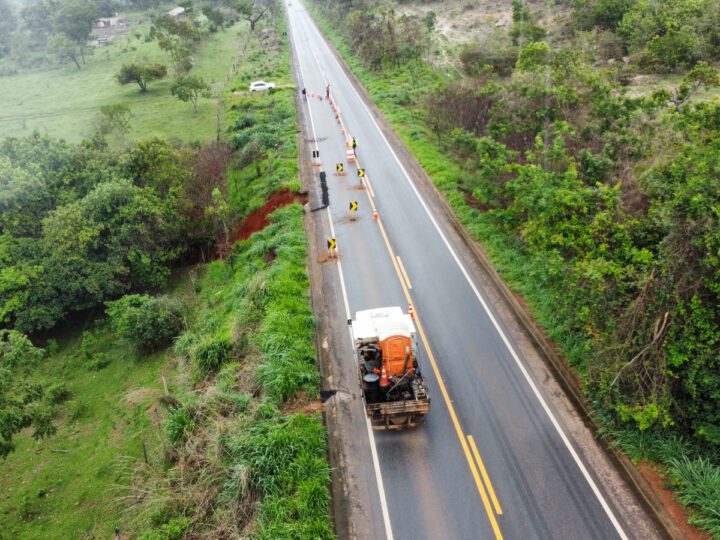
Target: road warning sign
{"x": 361, "y": 173}
{"x": 353, "y": 206}
{"x": 339, "y": 167}
{"x": 331, "y": 244}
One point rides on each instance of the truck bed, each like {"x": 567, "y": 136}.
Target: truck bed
{"x": 389, "y": 415}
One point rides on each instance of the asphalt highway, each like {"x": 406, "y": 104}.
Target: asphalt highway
{"x": 491, "y": 459}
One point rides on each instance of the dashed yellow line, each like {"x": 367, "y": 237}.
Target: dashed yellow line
{"x": 404, "y": 273}
{"x": 446, "y": 397}
{"x": 486, "y": 478}
{"x": 399, "y": 270}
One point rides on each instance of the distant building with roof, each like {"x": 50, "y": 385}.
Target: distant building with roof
{"x": 176, "y": 11}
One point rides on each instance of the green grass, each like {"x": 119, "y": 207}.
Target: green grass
{"x": 258, "y": 300}
{"x": 268, "y": 118}
{"x": 66, "y": 486}
{"x": 248, "y": 358}
{"x": 64, "y": 100}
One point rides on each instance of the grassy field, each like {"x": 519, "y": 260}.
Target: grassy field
{"x": 67, "y": 486}
{"x": 64, "y": 100}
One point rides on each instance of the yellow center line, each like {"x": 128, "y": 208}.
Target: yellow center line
{"x": 486, "y": 478}
{"x": 443, "y": 390}
{"x": 404, "y": 273}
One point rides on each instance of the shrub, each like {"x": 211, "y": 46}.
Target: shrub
{"x": 604, "y": 13}
{"x": 172, "y": 530}
{"x": 148, "y": 323}
{"x": 534, "y": 55}
{"x": 211, "y": 353}
{"x": 179, "y": 425}
{"x": 475, "y": 58}
{"x": 677, "y": 49}
{"x": 245, "y": 122}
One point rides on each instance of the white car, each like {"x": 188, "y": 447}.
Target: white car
{"x": 261, "y": 86}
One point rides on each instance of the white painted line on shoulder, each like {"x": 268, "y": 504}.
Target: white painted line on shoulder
{"x": 566, "y": 441}
{"x": 371, "y": 435}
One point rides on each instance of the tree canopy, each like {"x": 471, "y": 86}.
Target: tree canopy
{"x": 80, "y": 224}
{"x": 141, "y": 74}
{"x": 190, "y": 88}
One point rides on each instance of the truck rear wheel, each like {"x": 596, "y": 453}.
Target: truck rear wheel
{"x": 399, "y": 420}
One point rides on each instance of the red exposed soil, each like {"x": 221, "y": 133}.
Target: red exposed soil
{"x": 673, "y": 508}
{"x": 257, "y": 221}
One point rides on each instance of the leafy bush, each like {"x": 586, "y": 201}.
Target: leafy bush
{"x": 245, "y": 121}
{"x": 604, "y": 13}
{"x": 25, "y": 401}
{"x": 82, "y": 225}
{"x": 179, "y": 425}
{"x": 147, "y": 322}
{"x": 475, "y": 57}
{"x": 533, "y": 56}
{"x": 211, "y": 353}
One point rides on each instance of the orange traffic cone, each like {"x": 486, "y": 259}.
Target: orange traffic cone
{"x": 384, "y": 381}
{"x": 375, "y": 214}
{"x": 411, "y": 312}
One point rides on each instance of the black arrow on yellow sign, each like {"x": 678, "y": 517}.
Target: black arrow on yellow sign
{"x": 353, "y": 206}
{"x": 331, "y": 243}
{"x": 361, "y": 172}
{"x": 339, "y": 167}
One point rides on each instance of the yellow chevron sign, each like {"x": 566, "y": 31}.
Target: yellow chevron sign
{"x": 331, "y": 243}
{"x": 353, "y": 206}
{"x": 361, "y": 172}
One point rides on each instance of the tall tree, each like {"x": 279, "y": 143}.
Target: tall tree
{"x": 190, "y": 88}
{"x": 37, "y": 21}
{"x": 75, "y": 19}
{"x": 63, "y": 49}
{"x": 253, "y": 10}
{"x": 141, "y": 74}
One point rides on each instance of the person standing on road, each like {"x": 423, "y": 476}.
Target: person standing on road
{"x": 304, "y": 93}
{"x": 354, "y": 145}
{"x": 327, "y": 91}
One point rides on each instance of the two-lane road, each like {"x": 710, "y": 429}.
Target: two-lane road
{"x": 492, "y": 459}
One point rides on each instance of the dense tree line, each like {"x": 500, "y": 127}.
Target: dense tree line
{"x": 664, "y": 35}
{"x": 82, "y": 224}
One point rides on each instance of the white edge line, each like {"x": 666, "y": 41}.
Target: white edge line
{"x": 515, "y": 356}
{"x": 368, "y": 427}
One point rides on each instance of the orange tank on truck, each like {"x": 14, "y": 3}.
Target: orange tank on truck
{"x": 393, "y": 387}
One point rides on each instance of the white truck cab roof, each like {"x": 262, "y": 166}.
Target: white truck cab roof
{"x": 372, "y": 325}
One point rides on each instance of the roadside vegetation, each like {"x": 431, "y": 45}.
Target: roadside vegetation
{"x": 157, "y": 362}
{"x": 596, "y": 205}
